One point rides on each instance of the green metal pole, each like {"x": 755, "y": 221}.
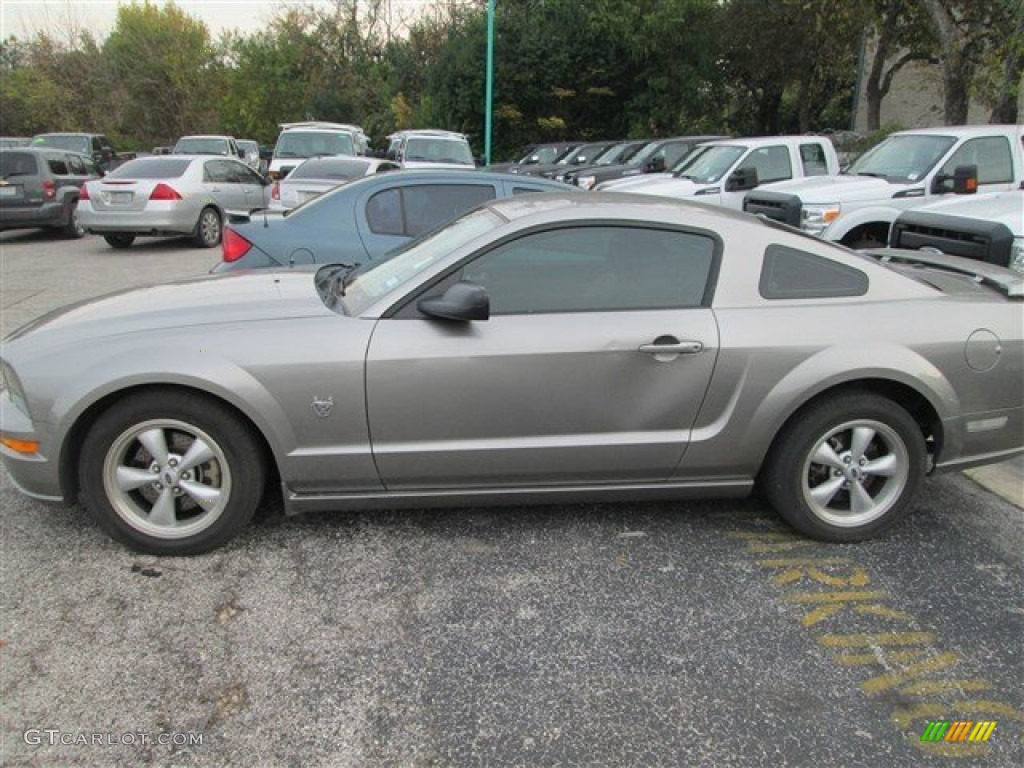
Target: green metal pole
{"x": 490, "y": 82}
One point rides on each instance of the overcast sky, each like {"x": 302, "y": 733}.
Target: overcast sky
{"x": 23, "y": 18}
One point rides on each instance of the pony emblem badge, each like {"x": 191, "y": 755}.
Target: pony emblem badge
{"x": 322, "y": 406}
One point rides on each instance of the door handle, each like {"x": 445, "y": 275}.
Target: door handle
{"x": 673, "y": 347}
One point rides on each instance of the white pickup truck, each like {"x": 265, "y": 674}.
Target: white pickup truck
{"x": 907, "y": 170}
{"x": 722, "y": 172}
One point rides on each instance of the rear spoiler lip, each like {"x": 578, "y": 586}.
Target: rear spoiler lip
{"x": 1005, "y": 280}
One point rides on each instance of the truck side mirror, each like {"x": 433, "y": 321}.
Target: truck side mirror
{"x": 655, "y": 165}
{"x": 964, "y": 181}
{"x": 741, "y": 179}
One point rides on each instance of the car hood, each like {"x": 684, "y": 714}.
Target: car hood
{"x": 666, "y": 187}
{"x": 835, "y": 189}
{"x": 638, "y": 180}
{"x": 210, "y": 300}
{"x": 1006, "y": 208}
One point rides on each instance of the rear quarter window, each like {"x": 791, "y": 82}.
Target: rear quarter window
{"x": 789, "y": 273}
{"x": 58, "y": 166}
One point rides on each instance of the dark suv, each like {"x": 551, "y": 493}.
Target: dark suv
{"x": 39, "y": 188}
{"x": 95, "y": 145}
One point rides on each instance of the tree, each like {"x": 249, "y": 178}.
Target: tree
{"x": 902, "y": 35}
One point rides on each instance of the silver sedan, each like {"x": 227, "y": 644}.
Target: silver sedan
{"x": 542, "y": 348}
{"x": 317, "y": 175}
{"x": 170, "y": 195}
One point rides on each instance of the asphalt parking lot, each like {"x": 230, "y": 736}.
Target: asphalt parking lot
{"x": 655, "y": 634}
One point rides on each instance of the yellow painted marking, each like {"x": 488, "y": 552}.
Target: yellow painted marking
{"x": 907, "y": 719}
{"x": 853, "y": 659}
{"x": 834, "y": 597}
{"x": 982, "y": 731}
{"x": 878, "y": 638}
{"x": 983, "y": 736}
{"x": 858, "y": 578}
{"x": 896, "y": 679}
{"x": 793, "y": 562}
{"x": 772, "y": 542}
{"x": 945, "y": 686}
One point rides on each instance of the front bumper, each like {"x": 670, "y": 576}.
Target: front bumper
{"x": 35, "y": 474}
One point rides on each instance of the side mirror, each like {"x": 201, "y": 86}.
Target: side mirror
{"x": 462, "y": 301}
{"x": 655, "y": 165}
{"x": 741, "y": 179}
{"x": 964, "y": 181}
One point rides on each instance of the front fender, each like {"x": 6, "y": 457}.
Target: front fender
{"x": 183, "y": 366}
{"x": 883, "y": 215}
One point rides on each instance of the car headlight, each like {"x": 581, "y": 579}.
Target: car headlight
{"x": 585, "y": 182}
{"x": 1017, "y": 255}
{"x": 815, "y": 218}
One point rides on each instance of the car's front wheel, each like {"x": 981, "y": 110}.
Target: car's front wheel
{"x": 171, "y": 472}
{"x": 119, "y": 239}
{"x": 846, "y": 468}
{"x": 208, "y": 228}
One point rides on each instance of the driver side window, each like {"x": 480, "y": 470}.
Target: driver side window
{"x": 992, "y": 156}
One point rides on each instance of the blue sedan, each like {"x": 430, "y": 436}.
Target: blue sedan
{"x": 366, "y": 218}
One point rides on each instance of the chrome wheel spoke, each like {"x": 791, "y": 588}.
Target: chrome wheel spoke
{"x": 823, "y": 493}
{"x": 859, "y": 442}
{"x": 163, "y": 512}
{"x": 205, "y": 495}
{"x": 886, "y": 466}
{"x": 860, "y": 500}
{"x": 155, "y": 442}
{"x": 198, "y": 453}
{"x": 825, "y": 455}
{"x": 131, "y": 478}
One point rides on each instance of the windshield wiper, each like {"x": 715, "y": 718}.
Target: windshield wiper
{"x": 872, "y": 174}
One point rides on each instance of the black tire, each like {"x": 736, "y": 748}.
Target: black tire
{"x": 208, "y": 229}
{"x": 846, "y": 468}
{"x": 73, "y": 228}
{"x": 119, "y": 239}
{"x": 142, "y": 485}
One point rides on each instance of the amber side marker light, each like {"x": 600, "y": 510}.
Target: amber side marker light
{"x": 20, "y": 446}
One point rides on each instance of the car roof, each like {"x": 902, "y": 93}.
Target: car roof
{"x": 965, "y": 130}
{"x": 67, "y": 133}
{"x": 619, "y": 205}
{"x": 206, "y": 136}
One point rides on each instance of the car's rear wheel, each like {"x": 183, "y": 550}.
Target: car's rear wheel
{"x": 208, "y": 228}
{"x": 119, "y": 239}
{"x": 171, "y": 473}
{"x": 846, "y": 468}
{"x": 74, "y": 227}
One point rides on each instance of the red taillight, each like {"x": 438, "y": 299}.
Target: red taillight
{"x": 233, "y": 245}
{"x": 83, "y": 192}
{"x": 163, "y": 192}
{"x": 49, "y": 190}
{"x": 275, "y": 191}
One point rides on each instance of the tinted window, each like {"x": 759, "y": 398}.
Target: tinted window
{"x": 196, "y": 146}
{"x": 217, "y": 171}
{"x": 58, "y": 165}
{"x": 992, "y": 156}
{"x": 587, "y": 269}
{"x": 788, "y": 273}
{"x": 77, "y": 165}
{"x": 17, "y": 164}
{"x": 771, "y": 164}
{"x": 414, "y": 210}
{"x": 151, "y": 168}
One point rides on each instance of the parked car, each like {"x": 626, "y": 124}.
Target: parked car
{"x": 565, "y": 347}
{"x": 170, "y": 195}
{"x": 430, "y": 149}
{"x": 10, "y": 142}
{"x": 721, "y": 172}
{"x": 298, "y": 141}
{"x": 617, "y": 153}
{"x": 584, "y": 154}
{"x": 985, "y": 227}
{"x": 250, "y": 154}
{"x": 366, "y": 218}
{"x": 313, "y": 177}
{"x": 39, "y": 188}
{"x": 95, "y": 145}
{"x": 535, "y": 154}
{"x": 226, "y": 146}
{"x": 656, "y": 156}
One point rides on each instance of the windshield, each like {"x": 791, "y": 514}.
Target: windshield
{"x": 902, "y": 158}
{"x": 198, "y": 146}
{"x": 542, "y": 155}
{"x": 72, "y": 143}
{"x": 248, "y": 146}
{"x": 614, "y": 154}
{"x": 151, "y": 168}
{"x": 313, "y": 143}
{"x": 706, "y": 165}
{"x": 584, "y": 155}
{"x": 434, "y": 150}
{"x": 361, "y": 287}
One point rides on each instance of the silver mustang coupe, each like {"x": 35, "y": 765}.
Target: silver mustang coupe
{"x": 542, "y": 348}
